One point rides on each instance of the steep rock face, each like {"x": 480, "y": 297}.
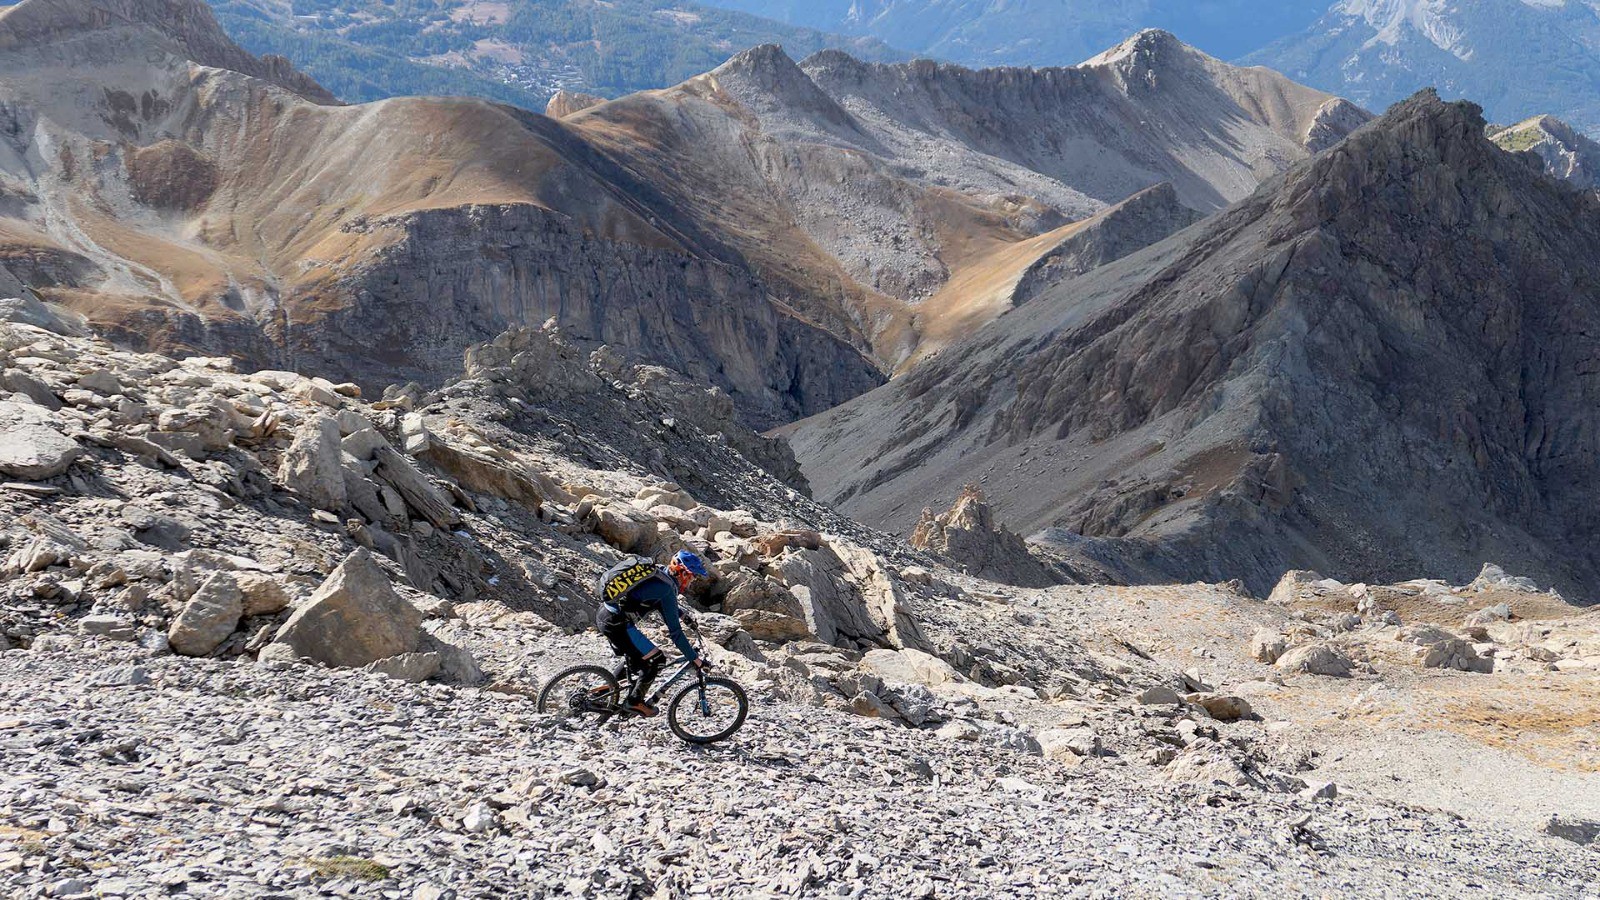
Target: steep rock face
{"x": 462, "y": 275}
{"x": 1143, "y": 219}
{"x": 1382, "y": 359}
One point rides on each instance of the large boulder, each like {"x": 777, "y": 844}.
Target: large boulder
{"x": 1494, "y": 578}
{"x": 1222, "y": 707}
{"x": 1456, "y": 654}
{"x": 208, "y": 617}
{"x": 396, "y": 470}
{"x": 1205, "y": 766}
{"x": 833, "y": 606}
{"x": 1291, "y": 585}
{"x": 884, "y": 597}
{"x": 748, "y": 591}
{"x": 263, "y": 594}
{"x": 478, "y": 472}
{"x": 313, "y": 465}
{"x": 778, "y": 628}
{"x": 355, "y": 618}
{"x": 32, "y": 446}
{"x": 1267, "y": 645}
{"x": 619, "y": 524}
{"x": 1440, "y": 649}
{"x": 1316, "y": 659}
{"x": 412, "y": 668}
{"x": 909, "y": 666}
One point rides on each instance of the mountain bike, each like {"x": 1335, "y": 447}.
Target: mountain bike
{"x": 708, "y": 709}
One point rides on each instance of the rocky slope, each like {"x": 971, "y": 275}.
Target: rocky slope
{"x": 1375, "y": 365}
{"x": 173, "y": 525}
{"x": 1516, "y": 57}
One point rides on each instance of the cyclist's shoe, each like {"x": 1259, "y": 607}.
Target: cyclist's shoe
{"x": 641, "y": 708}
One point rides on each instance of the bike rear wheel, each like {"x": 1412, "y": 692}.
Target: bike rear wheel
{"x": 709, "y": 711}
{"x": 588, "y": 695}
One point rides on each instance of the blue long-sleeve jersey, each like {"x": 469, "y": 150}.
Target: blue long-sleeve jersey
{"x": 661, "y": 595}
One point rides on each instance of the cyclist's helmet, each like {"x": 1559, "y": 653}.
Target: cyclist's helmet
{"x": 690, "y": 563}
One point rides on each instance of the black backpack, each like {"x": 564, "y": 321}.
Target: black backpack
{"x": 623, "y": 577}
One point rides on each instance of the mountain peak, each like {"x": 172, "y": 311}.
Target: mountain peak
{"x": 763, "y": 60}
{"x": 187, "y": 23}
{"x": 1151, "y": 48}
{"x": 767, "y": 80}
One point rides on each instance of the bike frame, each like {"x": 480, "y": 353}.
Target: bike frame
{"x": 684, "y": 665}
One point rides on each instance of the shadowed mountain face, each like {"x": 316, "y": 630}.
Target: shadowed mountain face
{"x": 1382, "y": 362}
{"x": 789, "y": 234}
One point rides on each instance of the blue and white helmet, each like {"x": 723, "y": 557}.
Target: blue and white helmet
{"x": 690, "y": 563}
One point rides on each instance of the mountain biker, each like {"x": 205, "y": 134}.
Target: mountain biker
{"x": 632, "y": 589}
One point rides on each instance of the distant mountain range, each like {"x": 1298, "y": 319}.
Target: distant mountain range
{"x": 515, "y": 52}
{"x": 1042, "y": 32}
{"x": 1517, "y": 58}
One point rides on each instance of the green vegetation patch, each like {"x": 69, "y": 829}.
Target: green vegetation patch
{"x": 1519, "y": 139}
{"x": 347, "y": 867}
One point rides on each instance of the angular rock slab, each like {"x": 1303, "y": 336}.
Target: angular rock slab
{"x": 32, "y": 447}
{"x": 312, "y": 466}
{"x": 355, "y": 618}
{"x": 208, "y": 617}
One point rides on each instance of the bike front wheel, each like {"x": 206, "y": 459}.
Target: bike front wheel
{"x": 588, "y": 695}
{"x": 708, "y": 711}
